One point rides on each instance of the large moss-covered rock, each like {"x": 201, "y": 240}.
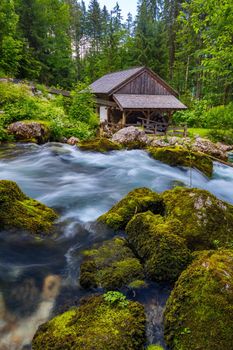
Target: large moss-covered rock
{"x": 99, "y": 145}
{"x": 199, "y": 311}
{"x": 111, "y": 266}
{"x": 136, "y": 201}
{"x": 179, "y": 156}
{"x": 18, "y": 211}
{"x": 30, "y": 131}
{"x": 206, "y": 220}
{"x": 157, "y": 243}
{"x": 101, "y": 323}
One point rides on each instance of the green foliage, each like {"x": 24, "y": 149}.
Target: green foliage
{"x": 225, "y": 136}
{"x": 83, "y": 105}
{"x": 219, "y": 117}
{"x": 116, "y": 298}
{"x": 19, "y": 105}
{"x": 195, "y": 116}
{"x": 97, "y": 324}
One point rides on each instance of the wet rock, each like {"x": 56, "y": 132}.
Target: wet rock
{"x": 103, "y": 322}
{"x": 206, "y": 220}
{"x": 30, "y": 131}
{"x": 73, "y": 141}
{"x": 199, "y": 144}
{"x": 98, "y": 145}
{"x": 158, "y": 244}
{"x": 180, "y": 156}
{"x": 199, "y": 311}
{"x": 131, "y": 137}
{"x": 111, "y": 266}
{"x": 217, "y": 150}
{"x": 17, "y": 211}
{"x": 137, "y": 201}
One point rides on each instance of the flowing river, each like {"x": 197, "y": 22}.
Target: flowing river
{"x": 39, "y": 278}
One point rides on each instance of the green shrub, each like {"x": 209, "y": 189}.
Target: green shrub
{"x": 116, "y": 298}
{"x": 66, "y": 117}
{"x": 225, "y": 136}
{"x": 83, "y": 106}
{"x": 220, "y": 117}
{"x": 194, "y": 117}
{"x": 12, "y": 93}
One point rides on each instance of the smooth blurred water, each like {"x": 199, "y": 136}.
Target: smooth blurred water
{"x": 38, "y": 277}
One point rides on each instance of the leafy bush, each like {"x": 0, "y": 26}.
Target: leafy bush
{"x": 64, "y": 117}
{"x": 194, "y": 117}
{"x": 116, "y": 298}
{"x": 225, "y": 136}
{"x": 220, "y": 117}
{"x": 83, "y": 105}
{"x": 200, "y": 115}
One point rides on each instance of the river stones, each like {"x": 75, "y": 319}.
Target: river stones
{"x": 180, "y": 156}
{"x": 108, "y": 322}
{"x": 158, "y": 244}
{"x": 17, "y": 211}
{"x": 30, "y": 131}
{"x": 99, "y": 145}
{"x": 111, "y": 266}
{"x": 137, "y": 201}
{"x": 199, "y": 311}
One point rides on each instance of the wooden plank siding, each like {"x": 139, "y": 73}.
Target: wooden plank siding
{"x": 144, "y": 84}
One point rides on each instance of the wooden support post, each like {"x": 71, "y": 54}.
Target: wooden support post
{"x": 123, "y": 119}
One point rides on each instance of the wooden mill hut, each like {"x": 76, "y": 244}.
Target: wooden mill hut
{"x": 136, "y": 96}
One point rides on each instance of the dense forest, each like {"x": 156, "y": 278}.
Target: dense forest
{"x": 61, "y": 42}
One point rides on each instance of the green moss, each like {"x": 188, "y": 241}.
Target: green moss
{"x": 204, "y": 217}
{"x": 111, "y": 266}
{"x": 199, "y": 311}
{"x": 137, "y": 201}
{"x": 154, "y": 347}
{"x": 20, "y": 212}
{"x": 99, "y": 145}
{"x": 179, "y": 156}
{"x": 164, "y": 254}
{"x": 97, "y": 324}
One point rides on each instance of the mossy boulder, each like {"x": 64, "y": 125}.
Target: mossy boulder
{"x": 30, "y": 131}
{"x": 17, "y": 211}
{"x": 157, "y": 243}
{"x": 206, "y": 220}
{"x": 98, "y": 324}
{"x": 179, "y": 156}
{"x": 136, "y": 201}
{"x": 111, "y": 266}
{"x": 99, "y": 145}
{"x": 199, "y": 311}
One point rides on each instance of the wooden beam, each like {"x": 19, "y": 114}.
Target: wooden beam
{"x": 106, "y": 103}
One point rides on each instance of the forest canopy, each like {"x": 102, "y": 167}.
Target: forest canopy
{"x": 61, "y": 42}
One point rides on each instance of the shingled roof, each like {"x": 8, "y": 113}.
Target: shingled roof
{"x": 109, "y": 82}
{"x": 148, "y": 102}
